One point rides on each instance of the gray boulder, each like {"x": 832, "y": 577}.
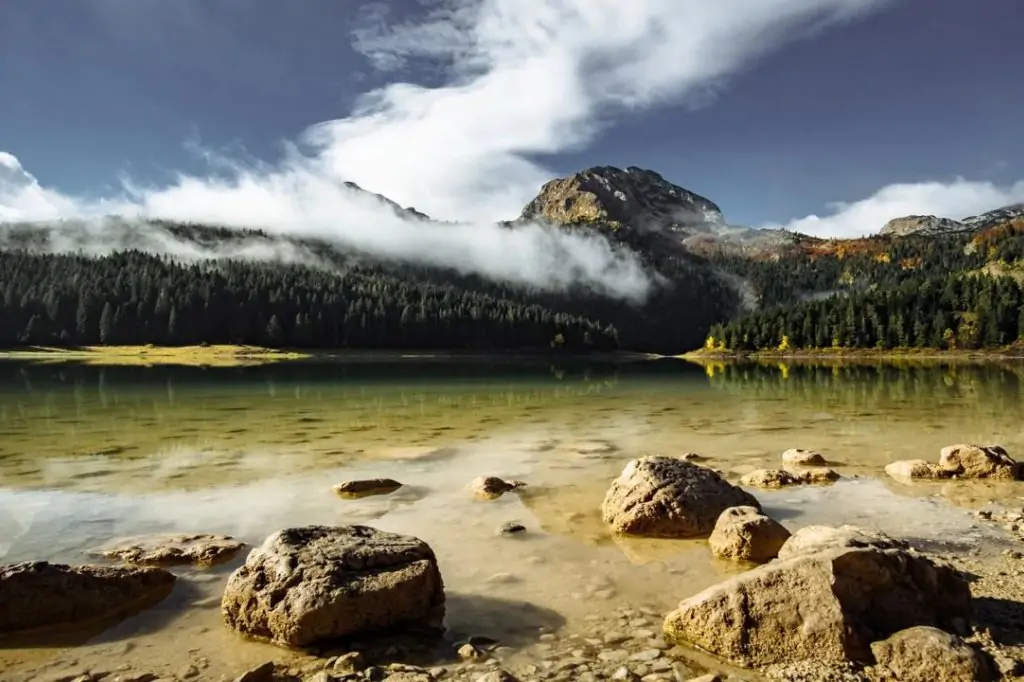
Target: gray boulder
{"x": 669, "y": 497}
{"x": 316, "y": 584}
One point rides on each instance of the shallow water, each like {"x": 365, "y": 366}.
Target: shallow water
{"x": 88, "y": 454}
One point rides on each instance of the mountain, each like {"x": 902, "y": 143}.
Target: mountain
{"x": 637, "y": 198}
{"x": 920, "y": 224}
{"x": 642, "y": 201}
{"x": 995, "y": 218}
{"x": 925, "y": 283}
{"x": 62, "y": 283}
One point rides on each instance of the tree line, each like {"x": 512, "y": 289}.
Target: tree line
{"x": 955, "y": 311}
{"x": 131, "y": 297}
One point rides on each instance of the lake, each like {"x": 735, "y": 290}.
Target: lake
{"x": 92, "y": 453}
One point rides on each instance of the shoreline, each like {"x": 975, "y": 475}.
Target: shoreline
{"x": 1008, "y": 354}
{"x": 239, "y": 356}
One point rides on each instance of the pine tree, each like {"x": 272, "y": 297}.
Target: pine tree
{"x": 107, "y": 324}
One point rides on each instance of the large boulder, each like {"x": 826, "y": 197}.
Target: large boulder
{"x": 321, "y": 583}
{"x": 746, "y": 534}
{"x": 811, "y": 539}
{"x": 979, "y": 461}
{"x": 668, "y": 497}
{"x": 926, "y": 654}
{"x": 200, "y": 549}
{"x": 39, "y": 595}
{"x": 826, "y": 606}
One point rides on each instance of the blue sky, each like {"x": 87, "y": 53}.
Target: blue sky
{"x": 889, "y": 106}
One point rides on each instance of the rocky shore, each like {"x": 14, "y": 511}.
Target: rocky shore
{"x": 344, "y": 603}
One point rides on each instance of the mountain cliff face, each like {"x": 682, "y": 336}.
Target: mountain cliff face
{"x": 995, "y": 218}
{"x": 639, "y": 198}
{"x": 920, "y": 224}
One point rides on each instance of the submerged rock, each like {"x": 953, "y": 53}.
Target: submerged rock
{"x": 668, "y": 497}
{"x": 770, "y": 478}
{"x": 915, "y": 469}
{"x": 827, "y": 606}
{"x": 492, "y": 487}
{"x": 783, "y": 478}
{"x": 979, "y": 461}
{"x": 38, "y": 595}
{"x": 366, "y": 487}
{"x": 172, "y": 549}
{"x": 811, "y": 539}
{"x": 803, "y": 458}
{"x": 926, "y": 654}
{"x": 315, "y": 584}
{"x": 746, "y": 534}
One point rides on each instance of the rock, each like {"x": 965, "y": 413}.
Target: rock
{"x": 667, "y": 497}
{"x": 817, "y": 475}
{"x": 826, "y": 606}
{"x": 172, "y": 549}
{"x": 979, "y": 461}
{"x": 320, "y": 583}
{"x": 352, "y": 662}
{"x": 492, "y": 487}
{"x": 803, "y": 458}
{"x": 261, "y": 673}
{"x": 926, "y": 654}
{"x": 782, "y": 478}
{"x": 468, "y": 652}
{"x": 915, "y": 469}
{"x": 512, "y": 528}
{"x": 706, "y": 678}
{"x": 366, "y": 487}
{"x": 39, "y": 595}
{"x": 497, "y": 676}
{"x": 811, "y": 539}
{"x": 770, "y": 478}
{"x": 745, "y": 533}
{"x": 692, "y": 457}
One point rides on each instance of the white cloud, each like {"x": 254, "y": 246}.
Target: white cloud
{"x": 957, "y": 199}
{"x": 524, "y": 77}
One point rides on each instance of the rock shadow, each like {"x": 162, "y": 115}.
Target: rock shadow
{"x": 486, "y": 622}
{"x": 1004, "y": 618}
{"x": 142, "y": 618}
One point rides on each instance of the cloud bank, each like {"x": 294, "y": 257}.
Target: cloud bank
{"x": 520, "y": 78}
{"x": 957, "y": 199}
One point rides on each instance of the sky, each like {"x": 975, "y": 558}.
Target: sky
{"x": 825, "y": 116}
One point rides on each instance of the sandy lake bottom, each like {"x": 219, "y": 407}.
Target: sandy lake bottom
{"x": 88, "y": 454}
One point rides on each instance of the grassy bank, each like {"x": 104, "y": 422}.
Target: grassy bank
{"x": 196, "y": 356}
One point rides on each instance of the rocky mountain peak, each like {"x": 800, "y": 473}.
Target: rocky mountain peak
{"x": 639, "y": 198}
{"x": 398, "y": 209}
{"x": 919, "y": 224}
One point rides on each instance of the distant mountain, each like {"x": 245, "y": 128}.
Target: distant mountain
{"x": 920, "y": 224}
{"x": 995, "y": 218}
{"x": 642, "y": 201}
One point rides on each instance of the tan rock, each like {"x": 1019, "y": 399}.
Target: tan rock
{"x": 366, "y": 487}
{"x": 803, "y": 458}
{"x": 825, "y": 606}
{"x": 770, "y": 478}
{"x": 817, "y": 475}
{"x": 320, "y": 583}
{"x": 172, "y": 549}
{"x": 492, "y": 487}
{"x": 915, "y": 469}
{"x": 668, "y": 497}
{"x": 746, "y": 534}
{"x": 927, "y": 654}
{"x": 810, "y": 539}
{"x": 979, "y": 461}
{"x": 38, "y": 595}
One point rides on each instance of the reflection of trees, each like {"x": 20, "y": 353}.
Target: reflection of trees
{"x": 997, "y": 386}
